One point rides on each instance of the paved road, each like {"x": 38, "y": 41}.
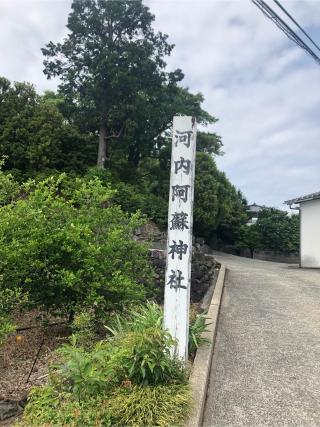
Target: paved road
{"x": 266, "y": 363}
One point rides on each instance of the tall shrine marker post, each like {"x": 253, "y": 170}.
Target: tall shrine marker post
{"x": 179, "y": 246}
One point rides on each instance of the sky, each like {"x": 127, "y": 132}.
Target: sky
{"x": 264, "y": 90}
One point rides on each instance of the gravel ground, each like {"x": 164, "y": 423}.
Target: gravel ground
{"x": 266, "y": 364}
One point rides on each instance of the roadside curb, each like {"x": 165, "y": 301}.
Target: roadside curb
{"x": 202, "y": 363}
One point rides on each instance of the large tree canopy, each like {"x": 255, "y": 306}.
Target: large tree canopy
{"x": 112, "y": 71}
{"x": 110, "y": 59}
{"x": 34, "y": 134}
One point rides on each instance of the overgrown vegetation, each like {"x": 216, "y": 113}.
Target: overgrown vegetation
{"x": 128, "y": 378}
{"x": 66, "y": 245}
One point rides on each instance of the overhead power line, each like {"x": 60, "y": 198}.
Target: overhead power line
{"x": 293, "y": 20}
{"x": 289, "y": 32}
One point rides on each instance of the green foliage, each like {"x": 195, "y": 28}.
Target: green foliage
{"x": 127, "y": 379}
{"x": 248, "y": 237}
{"x": 150, "y": 315}
{"x": 274, "y": 230}
{"x": 278, "y": 231}
{"x": 9, "y": 188}
{"x": 34, "y": 135}
{"x": 126, "y": 406}
{"x": 198, "y": 325}
{"x": 130, "y": 101}
{"x": 136, "y": 319}
{"x": 142, "y": 358}
{"x": 9, "y": 299}
{"x": 67, "y": 246}
{"x": 166, "y": 405}
{"x": 84, "y": 328}
{"x": 145, "y": 358}
{"x": 104, "y": 88}
{"x": 219, "y": 208}
{"x": 83, "y": 373}
{"x": 47, "y": 406}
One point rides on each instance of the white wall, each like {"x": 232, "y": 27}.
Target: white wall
{"x": 310, "y": 233}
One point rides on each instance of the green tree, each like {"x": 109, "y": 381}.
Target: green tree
{"x": 14, "y": 98}
{"x": 274, "y": 230}
{"x": 113, "y": 78}
{"x": 219, "y": 209}
{"x": 248, "y": 238}
{"x": 278, "y": 231}
{"x": 148, "y": 132}
{"x": 110, "y": 58}
{"x": 34, "y": 134}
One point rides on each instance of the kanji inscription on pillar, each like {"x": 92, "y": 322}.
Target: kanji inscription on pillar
{"x": 179, "y": 246}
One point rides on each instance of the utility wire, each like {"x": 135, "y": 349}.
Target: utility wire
{"x": 271, "y": 14}
{"x": 293, "y": 20}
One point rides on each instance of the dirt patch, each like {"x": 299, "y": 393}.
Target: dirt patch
{"x": 25, "y": 355}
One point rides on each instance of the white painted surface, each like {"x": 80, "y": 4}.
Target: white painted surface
{"x": 310, "y": 234}
{"x": 177, "y": 292}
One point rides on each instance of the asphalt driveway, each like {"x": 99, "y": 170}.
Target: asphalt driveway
{"x": 266, "y": 363}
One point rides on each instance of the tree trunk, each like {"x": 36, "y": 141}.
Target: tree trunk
{"x": 102, "y": 150}
{"x": 134, "y": 156}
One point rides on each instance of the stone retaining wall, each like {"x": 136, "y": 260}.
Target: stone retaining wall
{"x": 202, "y": 272}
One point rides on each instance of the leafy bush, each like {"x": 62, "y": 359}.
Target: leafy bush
{"x": 9, "y": 188}
{"x": 126, "y": 406}
{"x": 68, "y": 246}
{"x": 127, "y": 379}
{"x": 143, "y": 358}
{"x": 136, "y": 195}
{"x": 83, "y": 373}
{"x": 151, "y": 315}
{"x": 47, "y": 406}
{"x": 166, "y": 405}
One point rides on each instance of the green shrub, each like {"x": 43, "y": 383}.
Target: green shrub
{"x": 48, "y": 407}
{"x": 69, "y": 247}
{"x": 133, "y": 197}
{"x": 145, "y": 358}
{"x": 166, "y": 405}
{"x": 127, "y": 379}
{"x": 9, "y": 188}
{"x": 151, "y": 315}
{"x": 126, "y": 406}
{"x": 83, "y": 373}
{"x": 136, "y": 319}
